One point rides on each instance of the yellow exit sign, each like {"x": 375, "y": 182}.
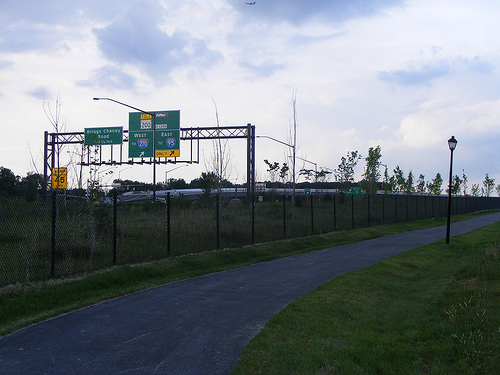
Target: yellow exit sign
{"x": 167, "y": 153}
{"x": 59, "y": 178}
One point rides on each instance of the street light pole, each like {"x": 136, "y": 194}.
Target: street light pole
{"x": 452, "y": 143}
{"x": 315, "y": 167}
{"x": 153, "y": 116}
{"x": 173, "y": 169}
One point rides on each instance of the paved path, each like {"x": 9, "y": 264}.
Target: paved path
{"x": 195, "y": 326}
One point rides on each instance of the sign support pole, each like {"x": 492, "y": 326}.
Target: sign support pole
{"x": 154, "y": 157}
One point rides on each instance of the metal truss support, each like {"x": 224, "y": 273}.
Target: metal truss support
{"x": 53, "y": 143}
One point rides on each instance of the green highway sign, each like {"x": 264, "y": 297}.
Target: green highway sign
{"x": 164, "y": 142}
{"x": 140, "y": 144}
{"x": 104, "y": 136}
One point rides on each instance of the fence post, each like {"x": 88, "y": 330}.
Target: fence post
{"x": 168, "y": 224}
{"x": 407, "y": 210}
{"x": 312, "y": 215}
{"x": 352, "y": 210}
{"x": 54, "y": 237}
{"x": 368, "y": 196}
{"x": 253, "y": 219}
{"x": 396, "y": 208}
{"x": 433, "y": 207}
{"x": 114, "y": 227}
{"x": 218, "y": 221}
{"x": 284, "y": 216}
{"x": 334, "y": 213}
{"x": 383, "y": 209}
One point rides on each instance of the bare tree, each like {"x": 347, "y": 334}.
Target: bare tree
{"x": 33, "y": 162}
{"x": 54, "y": 115}
{"x": 292, "y": 151}
{"x": 220, "y": 161}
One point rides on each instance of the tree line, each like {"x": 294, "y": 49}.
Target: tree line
{"x": 376, "y": 179}
{"x": 32, "y": 184}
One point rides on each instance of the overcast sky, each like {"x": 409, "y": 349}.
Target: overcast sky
{"x": 405, "y": 75}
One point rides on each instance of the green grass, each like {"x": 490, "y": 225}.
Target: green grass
{"x": 23, "y": 305}
{"x": 432, "y": 310}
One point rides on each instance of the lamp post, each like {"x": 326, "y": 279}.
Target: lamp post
{"x": 173, "y": 169}
{"x": 452, "y": 143}
{"x": 315, "y": 167}
{"x": 153, "y": 116}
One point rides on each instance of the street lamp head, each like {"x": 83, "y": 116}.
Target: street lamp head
{"x": 452, "y": 143}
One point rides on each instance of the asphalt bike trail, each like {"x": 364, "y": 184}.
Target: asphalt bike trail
{"x": 195, "y": 326}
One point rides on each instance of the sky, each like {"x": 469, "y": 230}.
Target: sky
{"x": 405, "y": 75}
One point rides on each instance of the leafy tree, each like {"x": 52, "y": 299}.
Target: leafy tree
{"x": 456, "y": 185}
{"x": 177, "y": 183}
{"x": 434, "y": 186}
{"x": 322, "y": 176}
{"x": 307, "y": 173}
{"x": 420, "y": 187}
{"x": 398, "y": 181}
{"x": 31, "y": 185}
{"x": 283, "y": 172}
{"x": 8, "y": 182}
{"x": 464, "y": 183}
{"x": 273, "y": 169}
{"x": 371, "y": 174}
{"x": 475, "y": 191}
{"x": 208, "y": 182}
{"x": 344, "y": 174}
{"x": 95, "y": 192}
{"x": 488, "y": 185}
{"x": 387, "y": 184}
{"x": 409, "y": 189}
{"x": 498, "y": 190}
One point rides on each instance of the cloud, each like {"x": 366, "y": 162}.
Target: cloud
{"x": 297, "y": 40}
{"x": 21, "y": 37}
{"x": 4, "y": 64}
{"x": 425, "y": 73}
{"x": 39, "y": 93}
{"x": 265, "y": 69}
{"x": 422, "y": 75}
{"x": 109, "y": 77}
{"x": 36, "y": 25}
{"x": 136, "y": 37}
{"x": 298, "y": 11}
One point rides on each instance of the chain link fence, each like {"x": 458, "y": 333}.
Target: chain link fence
{"x": 59, "y": 237}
